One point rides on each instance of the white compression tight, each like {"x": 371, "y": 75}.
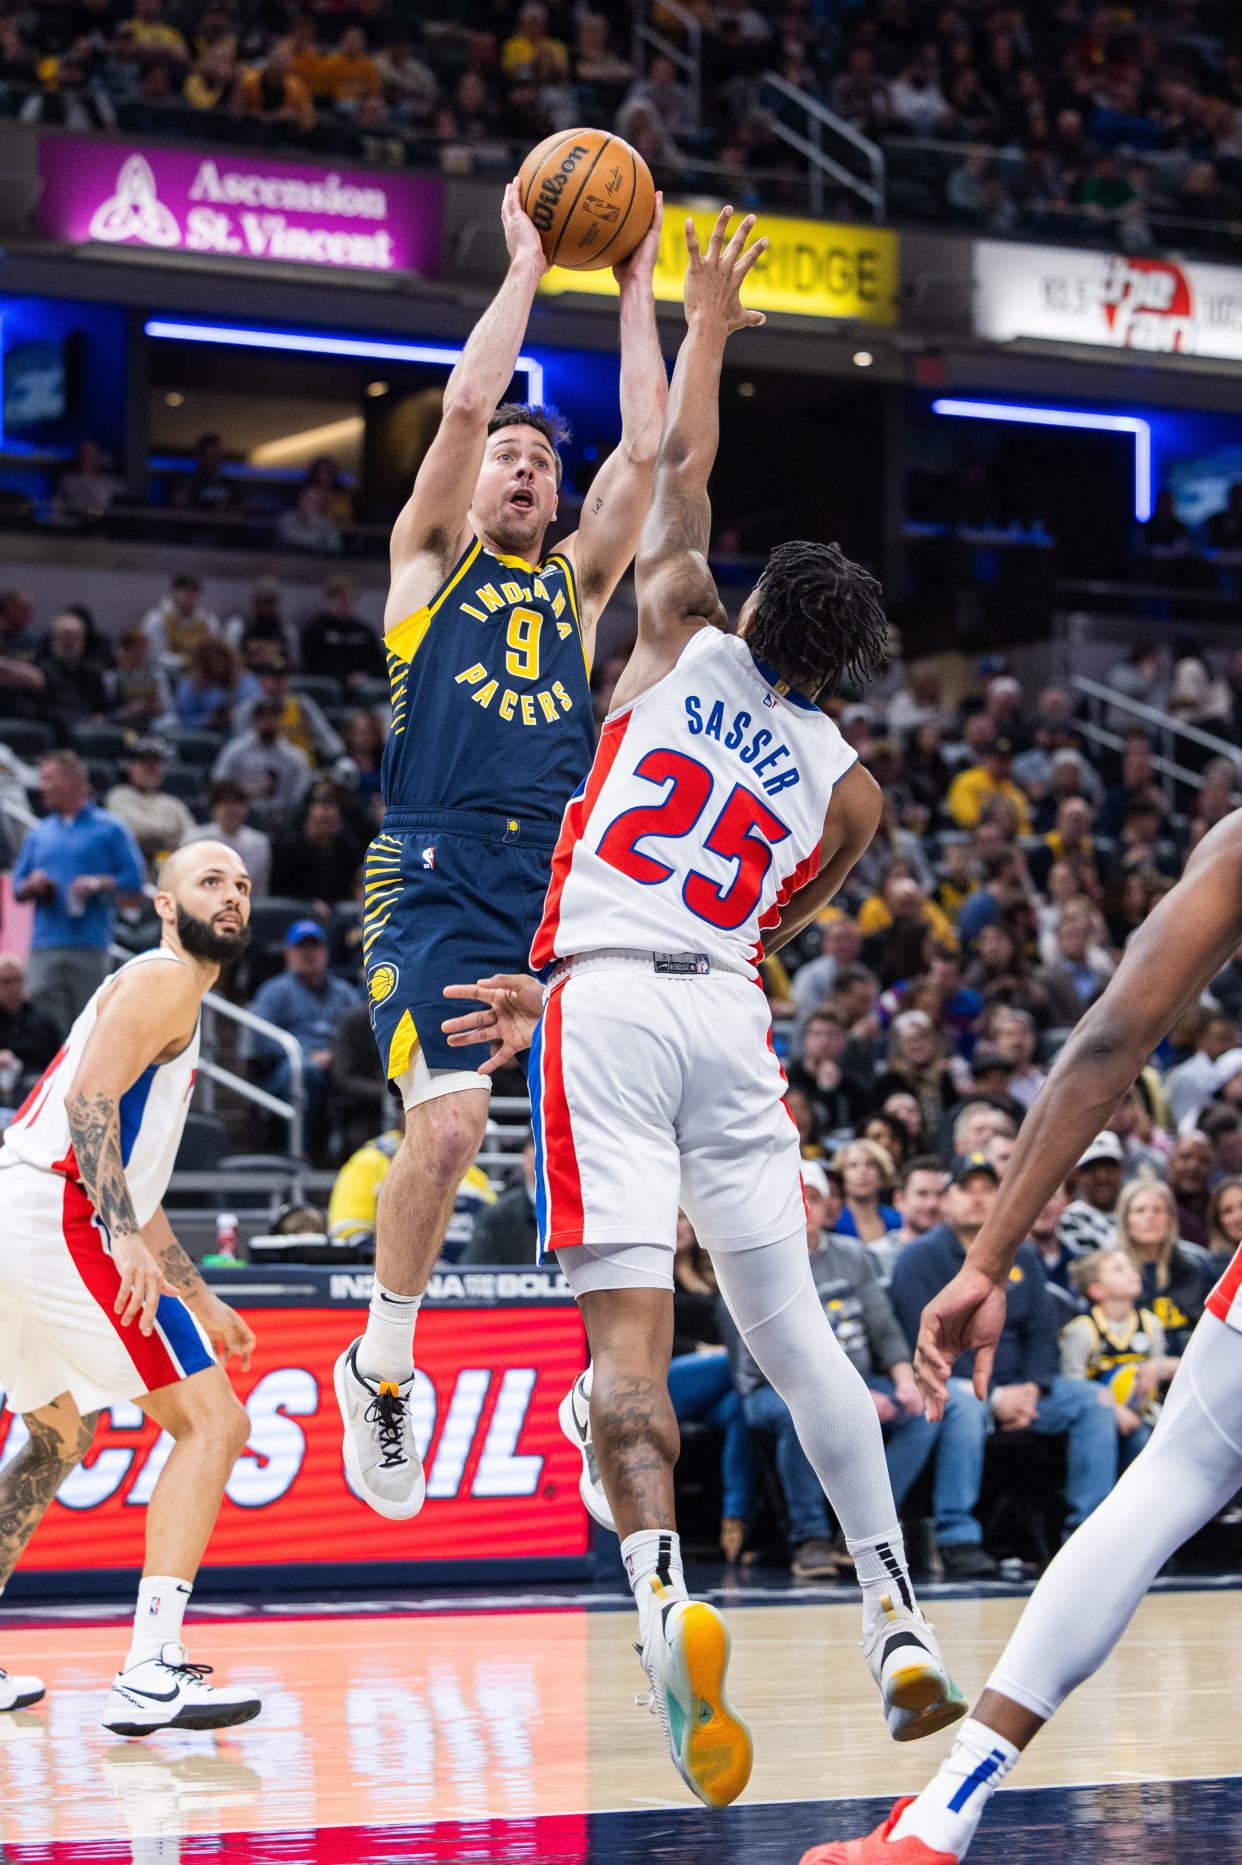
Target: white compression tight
{"x": 1188, "y": 1472}
{"x": 772, "y": 1298}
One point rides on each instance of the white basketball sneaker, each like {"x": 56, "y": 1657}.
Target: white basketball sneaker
{"x": 575, "y": 1417}
{"x": 383, "y": 1465}
{"x": 686, "y": 1655}
{"x": 168, "y": 1692}
{"x": 18, "y": 1693}
{"x": 904, "y": 1658}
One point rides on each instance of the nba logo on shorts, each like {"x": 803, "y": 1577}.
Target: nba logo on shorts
{"x": 429, "y": 856}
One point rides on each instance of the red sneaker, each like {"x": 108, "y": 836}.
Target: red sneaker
{"x": 875, "y": 1849}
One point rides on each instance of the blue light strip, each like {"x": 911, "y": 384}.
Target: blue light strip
{"x": 1069, "y": 417}
{"x": 299, "y": 342}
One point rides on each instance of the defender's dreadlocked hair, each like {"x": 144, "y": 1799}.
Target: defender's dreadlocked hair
{"x": 549, "y": 422}
{"x": 819, "y": 620}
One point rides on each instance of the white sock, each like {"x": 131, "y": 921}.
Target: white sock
{"x": 386, "y": 1350}
{"x": 162, "y": 1601}
{"x": 653, "y": 1554}
{"x": 946, "y": 1814}
{"x": 880, "y": 1562}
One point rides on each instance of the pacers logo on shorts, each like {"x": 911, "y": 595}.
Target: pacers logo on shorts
{"x": 382, "y": 982}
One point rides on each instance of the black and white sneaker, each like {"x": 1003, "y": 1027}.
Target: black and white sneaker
{"x": 18, "y": 1693}
{"x": 575, "y": 1417}
{"x": 168, "y": 1692}
{"x": 381, "y": 1461}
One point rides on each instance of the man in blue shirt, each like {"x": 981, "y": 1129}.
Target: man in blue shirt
{"x": 74, "y": 865}
{"x": 308, "y": 1002}
{"x": 1027, "y": 1393}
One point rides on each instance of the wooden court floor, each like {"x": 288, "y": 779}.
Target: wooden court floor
{"x": 414, "y": 1724}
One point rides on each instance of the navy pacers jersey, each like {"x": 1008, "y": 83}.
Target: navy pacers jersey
{"x": 491, "y": 703}
{"x": 492, "y": 732}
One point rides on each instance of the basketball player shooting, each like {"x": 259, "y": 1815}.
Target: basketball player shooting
{"x": 489, "y": 648}
{"x": 723, "y": 806}
{"x": 99, "y": 1302}
{"x": 1192, "y": 1465}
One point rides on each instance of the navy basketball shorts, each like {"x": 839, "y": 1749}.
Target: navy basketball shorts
{"x": 450, "y": 896}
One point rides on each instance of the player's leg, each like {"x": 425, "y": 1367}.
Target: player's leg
{"x": 58, "y": 1439}
{"x": 1082, "y": 1605}
{"x": 156, "y": 1688}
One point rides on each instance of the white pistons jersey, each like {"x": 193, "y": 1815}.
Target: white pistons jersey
{"x": 701, "y": 815}
{"x": 152, "y": 1112}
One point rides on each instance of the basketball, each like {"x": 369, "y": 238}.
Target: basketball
{"x": 590, "y": 196}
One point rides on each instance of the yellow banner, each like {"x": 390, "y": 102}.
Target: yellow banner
{"x": 811, "y": 267}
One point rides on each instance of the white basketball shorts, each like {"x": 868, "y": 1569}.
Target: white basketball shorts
{"x": 58, "y": 1284}
{"x": 652, "y": 1092}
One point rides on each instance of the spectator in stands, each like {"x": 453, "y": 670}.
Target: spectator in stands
{"x": 73, "y": 690}
{"x": 21, "y": 681}
{"x": 1225, "y": 1217}
{"x": 206, "y": 487}
{"x": 138, "y": 692}
{"x": 1176, "y": 1275}
{"x": 274, "y": 774}
{"x": 820, "y": 1073}
{"x": 661, "y": 92}
{"x": 212, "y": 84}
{"x": 1224, "y": 528}
{"x": 1076, "y": 978}
{"x": 1027, "y": 1390}
{"x": 356, "y": 1190}
{"x": 301, "y": 717}
{"x": 975, "y": 1123}
{"x": 159, "y": 822}
{"x": 505, "y": 1232}
{"x": 1013, "y": 1032}
{"x": 919, "y": 1198}
{"x": 319, "y": 860}
{"x": 1116, "y": 1342}
{"x": 1221, "y": 1125}
{"x": 919, "y": 1065}
{"x": 360, "y": 1098}
{"x": 214, "y": 690}
{"x": 349, "y": 74}
{"x": 307, "y": 1002}
{"x": 1088, "y": 1222}
{"x": 229, "y": 804}
{"x": 29, "y": 1037}
{"x": 840, "y": 945}
{"x": 979, "y": 784}
{"x": 523, "y": 49}
{"x": 863, "y": 1321}
{"x": 75, "y": 866}
{"x": 272, "y": 93}
{"x": 86, "y": 489}
{"x": 72, "y": 95}
{"x": 365, "y": 738}
{"x": 1055, "y": 1255}
{"x": 337, "y": 643}
{"x": 867, "y": 1174}
{"x": 1189, "y": 1179}
{"x": 1164, "y": 530}
{"x": 261, "y": 633}
{"x": 310, "y": 525}
{"x": 179, "y": 623}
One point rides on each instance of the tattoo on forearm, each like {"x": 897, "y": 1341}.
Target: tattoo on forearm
{"x": 95, "y": 1126}
{"x": 179, "y": 1269}
{"x": 635, "y": 1435}
{"x": 32, "y": 1479}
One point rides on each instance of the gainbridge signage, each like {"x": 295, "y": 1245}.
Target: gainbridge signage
{"x": 502, "y": 1482}
{"x": 812, "y": 267}
{"x": 1119, "y": 301}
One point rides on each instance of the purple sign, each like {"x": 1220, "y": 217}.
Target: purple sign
{"x": 239, "y": 205}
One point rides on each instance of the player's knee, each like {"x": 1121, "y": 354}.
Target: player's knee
{"x": 234, "y": 1426}
{"x": 449, "y": 1141}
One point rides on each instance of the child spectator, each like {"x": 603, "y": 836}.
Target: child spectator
{"x": 1118, "y": 1345}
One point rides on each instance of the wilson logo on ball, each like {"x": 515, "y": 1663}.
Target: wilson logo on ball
{"x": 551, "y": 188}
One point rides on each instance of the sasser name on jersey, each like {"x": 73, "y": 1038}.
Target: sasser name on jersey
{"x": 751, "y": 747}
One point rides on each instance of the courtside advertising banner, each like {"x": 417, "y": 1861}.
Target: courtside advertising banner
{"x": 238, "y": 204}
{"x": 812, "y": 267}
{"x": 502, "y": 1481}
{"x": 1118, "y": 301}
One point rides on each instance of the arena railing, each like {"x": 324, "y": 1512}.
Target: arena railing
{"x": 809, "y": 143}
{"x": 1105, "y": 704}
{"x": 688, "y": 58}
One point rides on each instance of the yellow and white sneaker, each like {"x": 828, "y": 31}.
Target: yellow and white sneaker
{"x": 904, "y": 1658}
{"x": 686, "y": 1655}
{"x": 381, "y": 1458}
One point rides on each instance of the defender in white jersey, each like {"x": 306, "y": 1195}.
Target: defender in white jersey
{"x": 723, "y": 809}
{"x": 98, "y": 1301}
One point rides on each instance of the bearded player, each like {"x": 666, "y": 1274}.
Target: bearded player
{"x": 1193, "y": 1462}
{"x": 99, "y": 1302}
{"x": 722, "y": 812}
{"x": 489, "y": 648}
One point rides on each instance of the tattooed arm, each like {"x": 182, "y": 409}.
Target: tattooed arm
{"x": 145, "y": 1017}
{"x": 229, "y": 1334}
